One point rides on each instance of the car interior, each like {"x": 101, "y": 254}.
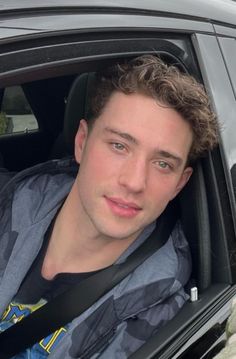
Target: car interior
{"x": 58, "y": 103}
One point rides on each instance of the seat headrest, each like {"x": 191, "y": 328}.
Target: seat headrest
{"x": 77, "y": 107}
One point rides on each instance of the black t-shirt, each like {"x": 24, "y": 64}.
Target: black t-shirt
{"x": 34, "y": 287}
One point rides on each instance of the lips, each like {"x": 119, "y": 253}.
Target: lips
{"x": 122, "y": 208}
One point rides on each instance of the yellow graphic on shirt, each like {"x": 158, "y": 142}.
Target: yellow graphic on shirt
{"x": 51, "y": 341}
{"x": 16, "y": 312}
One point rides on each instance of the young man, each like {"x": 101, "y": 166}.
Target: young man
{"x": 148, "y": 123}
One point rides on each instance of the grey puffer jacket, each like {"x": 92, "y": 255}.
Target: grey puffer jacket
{"x": 123, "y": 319}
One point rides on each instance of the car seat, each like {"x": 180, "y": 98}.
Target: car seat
{"x": 77, "y": 106}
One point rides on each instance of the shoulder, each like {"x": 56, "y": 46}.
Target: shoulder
{"x": 41, "y": 174}
{"x": 170, "y": 267}
{"x": 5, "y": 177}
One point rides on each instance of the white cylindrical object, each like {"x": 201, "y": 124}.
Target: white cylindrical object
{"x": 194, "y": 294}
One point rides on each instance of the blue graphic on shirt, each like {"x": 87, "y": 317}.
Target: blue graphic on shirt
{"x": 16, "y": 312}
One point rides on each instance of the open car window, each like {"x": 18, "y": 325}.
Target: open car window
{"x": 16, "y": 115}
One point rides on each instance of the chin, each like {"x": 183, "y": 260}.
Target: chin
{"x": 120, "y": 234}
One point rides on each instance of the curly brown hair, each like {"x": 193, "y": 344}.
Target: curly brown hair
{"x": 150, "y": 76}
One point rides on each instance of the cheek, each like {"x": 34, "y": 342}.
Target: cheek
{"x": 161, "y": 189}
{"x": 97, "y": 163}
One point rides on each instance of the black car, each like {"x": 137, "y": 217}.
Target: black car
{"x": 45, "y": 45}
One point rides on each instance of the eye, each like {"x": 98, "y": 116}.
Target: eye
{"x": 118, "y": 146}
{"x": 163, "y": 164}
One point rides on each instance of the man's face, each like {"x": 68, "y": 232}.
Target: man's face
{"x": 132, "y": 163}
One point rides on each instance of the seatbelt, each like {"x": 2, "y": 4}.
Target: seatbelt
{"x": 70, "y": 304}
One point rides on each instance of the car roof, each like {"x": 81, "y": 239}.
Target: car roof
{"x": 219, "y": 11}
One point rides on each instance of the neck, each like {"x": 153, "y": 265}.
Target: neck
{"x": 74, "y": 247}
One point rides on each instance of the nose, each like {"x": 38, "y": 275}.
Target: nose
{"x": 133, "y": 175}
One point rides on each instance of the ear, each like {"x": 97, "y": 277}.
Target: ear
{"x": 80, "y": 140}
{"x": 183, "y": 180}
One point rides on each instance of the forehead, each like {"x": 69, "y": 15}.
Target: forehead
{"x": 134, "y": 110}
{"x": 148, "y": 122}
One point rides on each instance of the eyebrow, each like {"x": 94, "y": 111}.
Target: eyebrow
{"x": 157, "y": 152}
{"x": 166, "y": 154}
{"x": 124, "y": 135}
